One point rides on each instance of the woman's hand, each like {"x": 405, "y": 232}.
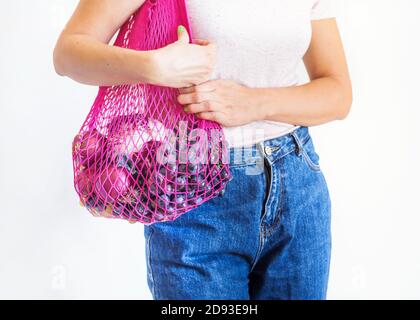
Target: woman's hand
{"x": 223, "y": 101}
{"x": 83, "y": 52}
{"x": 182, "y": 64}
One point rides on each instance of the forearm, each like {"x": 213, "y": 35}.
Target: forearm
{"x": 92, "y": 62}
{"x": 320, "y": 101}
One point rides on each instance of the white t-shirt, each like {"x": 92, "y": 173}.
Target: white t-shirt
{"x": 261, "y": 44}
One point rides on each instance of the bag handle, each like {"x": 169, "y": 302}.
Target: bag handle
{"x": 138, "y": 22}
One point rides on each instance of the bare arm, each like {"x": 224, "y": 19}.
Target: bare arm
{"x": 83, "y": 53}
{"x": 327, "y": 97}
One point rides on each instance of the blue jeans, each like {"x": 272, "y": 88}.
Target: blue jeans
{"x": 268, "y": 237}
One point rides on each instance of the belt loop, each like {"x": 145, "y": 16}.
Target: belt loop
{"x": 298, "y": 143}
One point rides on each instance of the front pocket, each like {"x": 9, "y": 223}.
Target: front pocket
{"x": 310, "y": 156}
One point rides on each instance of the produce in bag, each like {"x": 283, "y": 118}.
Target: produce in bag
{"x": 138, "y": 155}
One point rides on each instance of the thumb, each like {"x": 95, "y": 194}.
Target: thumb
{"x": 183, "y": 35}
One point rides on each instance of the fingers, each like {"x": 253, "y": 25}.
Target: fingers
{"x": 206, "y": 106}
{"x": 183, "y": 35}
{"x": 201, "y": 42}
{"x": 208, "y": 86}
{"x": 208, "y": 45}
{"x": 199, "y": 98}
{"x": 194, "y": 97}
{"x": 186, "y": 90}
{"x": 211, "y": 116}
{"x": 204, "y": 42}
{"x": 212, "y": 50}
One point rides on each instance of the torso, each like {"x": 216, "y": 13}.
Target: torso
{"x": 260, "y": 44}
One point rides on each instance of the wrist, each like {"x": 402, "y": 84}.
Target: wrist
{"x": 149, "y": 73}
{"x": 254, "y": 104}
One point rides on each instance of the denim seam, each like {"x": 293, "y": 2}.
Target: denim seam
{"x": 149, "y": 261}
{"x": 279, "y": 210}
{"x": 309, "y": 162}
{"x": 262, "y": 229}
{"x": 260, "y": 247}
{"x": 299, "y": 145}
{"x": 268, "y": 194}
{"x": 302, "y": 152}
{"x": 283, "y": 155}
{"x": 283, "y": 189}
{"x": 272, "y": 202}
{"x": 270, "y": 231}
{"x": 304, "y": 139}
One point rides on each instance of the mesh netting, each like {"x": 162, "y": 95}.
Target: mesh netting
{"x": 138, "y": 155}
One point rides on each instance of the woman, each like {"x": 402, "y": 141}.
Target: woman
{"x": 268, "y": 237}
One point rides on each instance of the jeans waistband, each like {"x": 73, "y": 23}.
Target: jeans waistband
{"x": 272, "y": 150}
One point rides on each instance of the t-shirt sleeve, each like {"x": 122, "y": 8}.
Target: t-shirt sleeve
{"x": 322, "y": 9}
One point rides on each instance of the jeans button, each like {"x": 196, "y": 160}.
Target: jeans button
{"x": 268, "y": 151}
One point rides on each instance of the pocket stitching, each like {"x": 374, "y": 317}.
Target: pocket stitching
{"x": 315, "y": 167}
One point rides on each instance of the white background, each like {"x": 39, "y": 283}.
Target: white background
{"x": 52, "y": 248}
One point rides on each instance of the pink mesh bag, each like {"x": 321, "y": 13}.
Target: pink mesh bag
{"x": 138, "y": 155}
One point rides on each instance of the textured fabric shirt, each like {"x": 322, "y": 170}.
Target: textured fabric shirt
{"x": 261, "y": 44}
